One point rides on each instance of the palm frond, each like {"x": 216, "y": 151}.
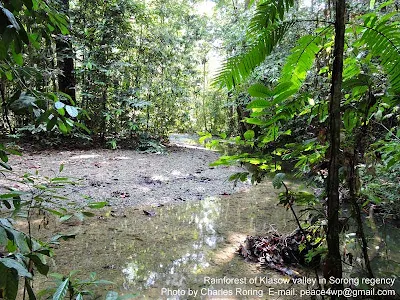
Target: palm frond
{"x": 382, "y": 37}
{"x": 237, "y": 68}
{"x": 302, "y": 57}
{"x": 268, "y": 13}
{"x": 266, "y": 29}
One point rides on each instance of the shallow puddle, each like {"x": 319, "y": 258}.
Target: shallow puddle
{"x": 183, "y": 247}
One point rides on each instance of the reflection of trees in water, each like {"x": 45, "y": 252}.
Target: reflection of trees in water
{"x": 203, "y": 219}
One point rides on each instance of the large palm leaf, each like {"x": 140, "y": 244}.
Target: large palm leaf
{"x": 266, "y": 29}
{"x": 237, "y": 68}
{"x": 382, "y": 37}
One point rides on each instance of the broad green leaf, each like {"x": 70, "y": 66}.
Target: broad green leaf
{"x": 51, "y": 123}
{"x": 8, "y": 36}
{"x": 39, "y": 264}
{"x": 62, "y": 127}
{"x": 9, "y": 282}
{"x": 9, "y": 75}
{"x": 378, "y": 115}
{"x": 259, "y": 90}
{"x": 59, "y": 105}
{"x": 23, "y": 104}
{"x": 205, "y": 137}
{"x": 9, "y": 15}
{"x": 61, "y": 111}
{"x": 255, "y": 121}
{"x": 34, "y": 38}
{"x": 3, "y": 156}
{"x": 277, "y": 182}
{"x": 259, "y": 103}
{"x": 282, "y": 87}
{"x": 60, "y": 179}
{"x": 249, "y": 134}
{"x": 16, "y": 265}
{"x": 350, "y": 120}
{"x": 18, "y": 58}
{"x": 51, "y": 28}
{"x": 72, "y": 111}
{"x": 285, "y": 95}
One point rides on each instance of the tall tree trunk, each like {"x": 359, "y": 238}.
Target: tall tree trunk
{"x": 65, "y": 61}
{"x": 333, "y": 263}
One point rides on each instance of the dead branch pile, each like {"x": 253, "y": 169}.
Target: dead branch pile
{"x": 275, "y": 251}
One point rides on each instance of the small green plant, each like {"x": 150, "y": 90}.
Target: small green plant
{"x": 21, "y": 255}
{"x": 72, "y": 287}
{"x": 112, "y": 144}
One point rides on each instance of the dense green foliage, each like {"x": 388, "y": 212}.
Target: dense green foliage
{"x": 114, "y": 70}
{"x": 287, "y": 122}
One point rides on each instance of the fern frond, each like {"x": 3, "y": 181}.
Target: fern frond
{"x": 268, "y": 13}
{"x": 237, "y": 68}
{"x": 382, "y": 37}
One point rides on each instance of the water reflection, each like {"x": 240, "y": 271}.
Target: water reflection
{"x": 175, "y": 248}
{"x": 203, "y": 221}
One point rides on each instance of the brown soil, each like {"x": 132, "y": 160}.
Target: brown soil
{"x": 127, "y": 178}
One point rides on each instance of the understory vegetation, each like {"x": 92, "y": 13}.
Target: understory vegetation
{"x": 309, "y": 89}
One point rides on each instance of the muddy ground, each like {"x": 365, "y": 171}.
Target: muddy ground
{"x": 127, "y": 178}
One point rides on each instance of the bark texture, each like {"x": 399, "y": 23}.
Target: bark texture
{"x": 333, "y": 264}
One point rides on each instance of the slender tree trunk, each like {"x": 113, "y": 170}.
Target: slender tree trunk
{"x": 104, "y": 121}
{"x": 4, "y": 104}
{"x": 65, "y": 61}
{"x": 333, "y": 263}
{"x": 204, "y": 93}
{"x": 138, "y": 65}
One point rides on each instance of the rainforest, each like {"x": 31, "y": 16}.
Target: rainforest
{"x": 199, "y": 149}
